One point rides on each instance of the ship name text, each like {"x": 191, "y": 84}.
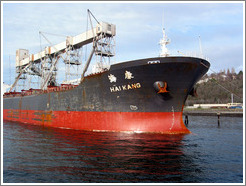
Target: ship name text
{"x": 154, "y": 62}
{"x": 125, "y": 87}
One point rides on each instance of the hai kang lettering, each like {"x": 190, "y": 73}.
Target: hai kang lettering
{"x": 125, "y": 87}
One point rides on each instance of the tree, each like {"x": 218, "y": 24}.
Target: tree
{"x": 240, "y": 73}
{"x": 228, "y": 72}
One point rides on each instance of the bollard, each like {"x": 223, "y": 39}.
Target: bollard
{"x": 218, "y": 114}
{"x": 186, "y": 120}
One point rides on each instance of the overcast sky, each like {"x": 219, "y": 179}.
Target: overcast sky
{"x": 138, "y": 28}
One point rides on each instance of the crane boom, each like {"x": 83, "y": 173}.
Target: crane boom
{"x": 77, "y": 41}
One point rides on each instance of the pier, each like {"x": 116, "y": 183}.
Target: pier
{"x": 214, "y": 112}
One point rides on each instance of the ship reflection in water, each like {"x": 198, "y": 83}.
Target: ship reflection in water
{"x": 38, "y": 155}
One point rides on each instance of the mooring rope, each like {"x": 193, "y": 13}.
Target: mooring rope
{"x": 219, "y": 83}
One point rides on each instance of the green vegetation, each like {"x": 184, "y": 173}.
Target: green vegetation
{"x": 216, "y": 88}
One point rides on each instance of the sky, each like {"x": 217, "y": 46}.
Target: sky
{"x": 138, "y": 29}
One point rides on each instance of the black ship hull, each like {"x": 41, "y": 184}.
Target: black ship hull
{"x": 146, "y": 95}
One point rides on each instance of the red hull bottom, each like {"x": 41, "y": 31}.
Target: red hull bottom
{"x": 159, "y": 122}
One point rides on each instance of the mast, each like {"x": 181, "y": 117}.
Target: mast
{"x": 163, "y": 42}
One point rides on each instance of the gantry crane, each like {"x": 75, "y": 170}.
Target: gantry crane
{"x": 43, "y": 64}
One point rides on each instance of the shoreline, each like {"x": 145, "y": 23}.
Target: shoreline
{"x": 213, "y": 112}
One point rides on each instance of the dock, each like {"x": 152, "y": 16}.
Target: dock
{"x": 214, "y": 112}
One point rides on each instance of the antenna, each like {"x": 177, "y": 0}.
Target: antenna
{"x": 9, "y": 71}
{"x": 200, "y": 44}
{"x": 163, "y": 19}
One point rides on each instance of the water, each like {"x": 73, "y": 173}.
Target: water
{"x": 211, "y": 154}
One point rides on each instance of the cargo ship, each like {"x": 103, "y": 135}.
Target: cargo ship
{"x": 144, "y": 95}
